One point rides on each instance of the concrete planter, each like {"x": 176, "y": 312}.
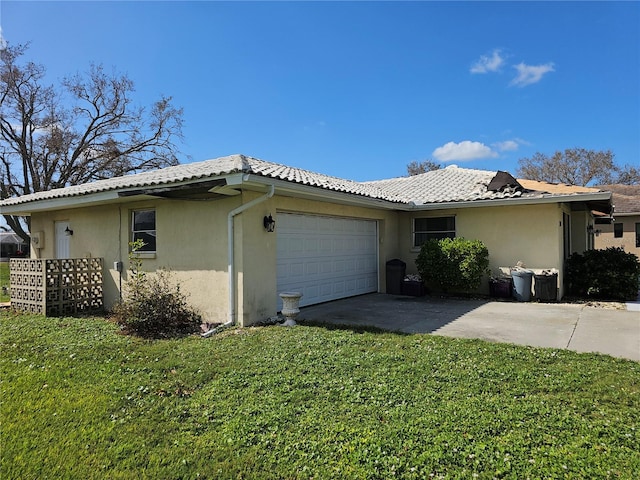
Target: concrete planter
{"x": 290, "y": 307}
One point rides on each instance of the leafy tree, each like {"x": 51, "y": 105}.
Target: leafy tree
{"x": 86, "y": 129}
{"x": 577, "y": 166}
{"x": 416, "y": 168}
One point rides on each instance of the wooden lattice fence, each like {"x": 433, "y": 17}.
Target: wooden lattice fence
{"x": 56, "y": 287}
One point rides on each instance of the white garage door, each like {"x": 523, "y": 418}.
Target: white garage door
{"x": 326, "y": 258}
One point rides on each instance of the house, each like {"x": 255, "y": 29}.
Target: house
{"x": 332, "y": 237}
{"x": 624, "y": 232}
{"x": 11, "y": 245}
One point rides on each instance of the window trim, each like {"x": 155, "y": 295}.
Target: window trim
{"x": 637, "y": 234}
{"x": 132, "y": 231}
{"x": 446, "y": 232}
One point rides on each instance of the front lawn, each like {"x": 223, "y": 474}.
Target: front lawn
{"x": 78, "y": 400}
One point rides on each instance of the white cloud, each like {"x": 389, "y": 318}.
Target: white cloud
{"x": 3, "y": 42}
{"x": 463, "y": 151}
{"x": 529, "y": 74}
{"x": 507, "y": 146}
{"x": 488, "y": 63}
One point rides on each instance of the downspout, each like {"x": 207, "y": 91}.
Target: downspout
{"x": 231, "y": 255}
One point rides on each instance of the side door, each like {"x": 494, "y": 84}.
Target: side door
{"x": 62, "y": 239}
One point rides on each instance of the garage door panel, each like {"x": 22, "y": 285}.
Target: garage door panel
{"x": 326, "y": 258}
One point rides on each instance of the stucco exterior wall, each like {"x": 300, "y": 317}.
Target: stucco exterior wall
{"x": 531, "y": 234}
{"x": 606, "y": 238}
{"x": 192, "y": 243}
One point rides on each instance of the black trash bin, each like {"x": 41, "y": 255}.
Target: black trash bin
{"x": 546, "y": 287}
{"x": 396, "y": 270}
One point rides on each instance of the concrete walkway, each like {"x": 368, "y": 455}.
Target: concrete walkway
{"x": 556, "y": 325}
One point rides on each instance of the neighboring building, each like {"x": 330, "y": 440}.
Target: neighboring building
{"x": 625, "y": 230}
{"x": 332, "y": 237}
{"x": 11, "y": 245}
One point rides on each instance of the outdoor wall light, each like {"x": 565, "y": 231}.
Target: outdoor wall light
{"x": 269, "y": 223}
{"x": 591, "y": 231}
{"x": 68, "y": 232}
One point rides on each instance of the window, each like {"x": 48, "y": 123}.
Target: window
{"x": 637, "y": 235}
{"x": 617, "y": 230}
{"x": 433, "y": 227}
{"x": 143, "y": 227}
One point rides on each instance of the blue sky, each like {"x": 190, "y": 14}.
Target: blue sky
{"x": 359, "y": 90}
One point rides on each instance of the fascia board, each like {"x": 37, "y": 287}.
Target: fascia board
{"x": 96, "y": 198}
{"x": 62, "y": 203}
{"x": 512, "y": 201}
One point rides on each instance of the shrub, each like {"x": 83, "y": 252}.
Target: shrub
{"x": 153, "y": 306}
{"x": 611, "y": 274}
{"x": 453, "y": 264}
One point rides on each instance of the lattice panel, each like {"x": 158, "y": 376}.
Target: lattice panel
{"x": 56, "y": 287}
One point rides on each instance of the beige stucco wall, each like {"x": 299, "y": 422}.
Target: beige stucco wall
{"x": 531, "y": 234}
{"x": 192, "y": 243}
{"x": 628, "y": 239}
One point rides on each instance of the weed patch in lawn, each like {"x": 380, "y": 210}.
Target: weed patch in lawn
{"x": 307, "y": 402}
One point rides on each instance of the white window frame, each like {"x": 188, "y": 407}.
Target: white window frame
{"x": 144, "y": 252}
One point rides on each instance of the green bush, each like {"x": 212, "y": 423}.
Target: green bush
{"x": 154, "y": 306}
{"x": 611, "y": 274}
{"x": 453, "y": 264}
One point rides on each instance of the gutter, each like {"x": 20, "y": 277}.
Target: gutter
{"x": 570, "y": 198}
{"x": 231, "y": 255}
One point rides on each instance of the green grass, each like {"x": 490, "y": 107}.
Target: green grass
{"x": 78, "y": 400}
{"x": 4, "y": 281}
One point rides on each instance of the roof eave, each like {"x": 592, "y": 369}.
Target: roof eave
{"x": 117, "y": 195}
{"x": 583, "y": 197}
{"x": 312, "y": 192}
{"x": 62, "y": 203}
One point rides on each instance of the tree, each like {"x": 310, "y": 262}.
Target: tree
{"x": 577, "y": 166}
{"x": 416, "y": 168}
{"x": 629, "y": 175}
{"x": 87, "y": 129}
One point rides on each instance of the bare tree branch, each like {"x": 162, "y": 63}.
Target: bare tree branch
{"x": 416, "y": 168}
{"x": 573, "y": 166}
{"x": 86, "y": 129}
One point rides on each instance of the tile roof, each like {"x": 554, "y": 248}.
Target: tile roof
{"x": 451, "y": 184}
{"x": 209, "y": 169}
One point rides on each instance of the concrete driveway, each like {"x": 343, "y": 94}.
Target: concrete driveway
{"x": 556, "y": 325}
